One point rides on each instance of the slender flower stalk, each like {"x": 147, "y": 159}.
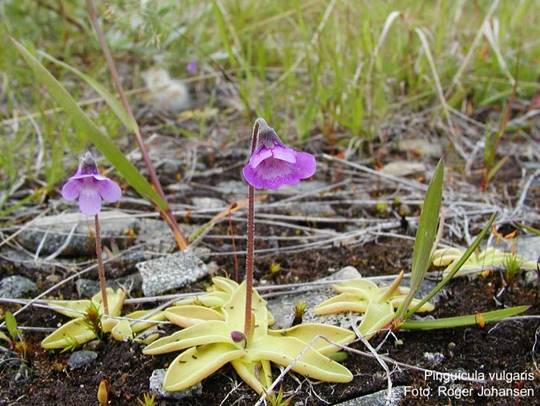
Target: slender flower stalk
{"x": 250, "y": 256}
{"x": 101, "y": 268}
{"x": 271, "y": 165}
{"x": 166, "y": 214}
{"x": 90, "y": 188}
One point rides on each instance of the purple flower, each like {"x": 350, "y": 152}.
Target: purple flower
{"x": 192, "y": 67}
{"x": 273, "y": 164}
{"x": 90, "y": 187}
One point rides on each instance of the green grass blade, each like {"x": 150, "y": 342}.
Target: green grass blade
{"x": 425, "y": 236}
{"x": 456, "y": 267}
{"x": 463, "y": 321}
{"x": 87, "y": 129}
{"x": 11, "y": 325}
{"x": 109, "y": 98}
{"x": 529, "y": 229}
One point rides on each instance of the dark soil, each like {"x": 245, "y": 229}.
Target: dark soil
{"x": 508, "y": 347}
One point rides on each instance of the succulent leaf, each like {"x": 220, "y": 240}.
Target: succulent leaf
{"x": 189, "y": 315}
{"x": 197, "y": 363}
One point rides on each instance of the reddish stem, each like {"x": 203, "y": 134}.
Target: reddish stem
{"x": 250, "y": 242}
{"x": 101, "y": 268}
{"x": 166, "y": 213}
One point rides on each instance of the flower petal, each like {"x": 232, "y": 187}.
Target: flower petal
{"x": 71, "y": 189}
{"x": 271, "y": 174}
{"x": 284, "y": 154}
{"x": 252, "y": 177}
{"x": 305, "y": 165}
{"x": 89, "y": 200}
{"x": 259, "y": 156}
{"x": 109, "y": 190}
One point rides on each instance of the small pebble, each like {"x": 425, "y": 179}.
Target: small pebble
{"x": 16, "y": 286}
{"x": 79, "y": 359}
{"x": 434, "y": 358}
{"x": 156, "y": 386}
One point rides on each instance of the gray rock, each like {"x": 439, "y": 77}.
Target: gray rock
{"x": 170, "y": 272}
{"x": 529, "y": 248}
{"x": 303, "y": 187}
{"x": 404, "y": 168}
{"x": 157, "y": 237}
{"x": 378, "y": 398}
{"x": 422, "y": 147}
{"x": 208, "y": 203}
{"x": 88, "y": 287}
{"x": 16, "y": 286}
{"x": 234, "y": 189}
{"x": 18, "y": 261}
{"x": 156, "y": 387}
{"x": 282, "y": 307}
{"x": 54, "y": 231}
{"x": 79, "y": 359}
{"x": 531, "y": 278}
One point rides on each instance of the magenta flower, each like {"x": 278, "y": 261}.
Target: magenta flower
{"x": 273, "y": 164}
{"x": 90, "y": 188}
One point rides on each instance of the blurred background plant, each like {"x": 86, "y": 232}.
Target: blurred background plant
{"x": 307, "y": 66}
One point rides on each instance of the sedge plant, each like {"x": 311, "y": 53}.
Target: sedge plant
{"x": 392, "y": 306}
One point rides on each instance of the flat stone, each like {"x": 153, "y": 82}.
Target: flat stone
{"x": 54, "y": 231}
{"x": 79, "y": 359}
{"x": 529, "y": 248}
{"x": 208, "y": 203}
{"x": 18, "y": 261}
{"x": 170, "y": 272}
{"x": 156, "y": 387}
{"x": 157, "y": 237}
{"x": 421, "y": 147}
{"x": 234, "y": 189}
{"x": 88, "y": 287}
{"x": 282, "y": 307}
{"x": 16, "y": 286}
{"x": 379, "y": 398}
{"x": 404, "y": 168}
{"x": 304, "y": 187}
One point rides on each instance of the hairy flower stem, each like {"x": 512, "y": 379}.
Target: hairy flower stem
{"x": 166, "y": 213}
{"x": 250, "y": 241}
{"x": 101, "y": 268}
